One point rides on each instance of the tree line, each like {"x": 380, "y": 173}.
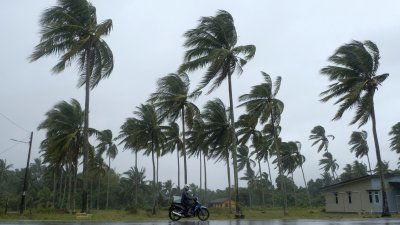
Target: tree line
{"x": 170, "y": 121}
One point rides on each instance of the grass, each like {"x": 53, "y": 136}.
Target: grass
{"x": 216, "y": 214}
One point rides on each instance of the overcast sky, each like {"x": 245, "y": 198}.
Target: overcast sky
{"x": 293, "y": 40}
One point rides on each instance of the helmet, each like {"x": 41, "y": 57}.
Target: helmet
{"x": 186, "y": 187}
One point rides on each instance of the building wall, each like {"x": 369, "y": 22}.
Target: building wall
{"x": 359, "y": 198}
{"x": 224, "y": 204}
{"x": 391, "y": 192}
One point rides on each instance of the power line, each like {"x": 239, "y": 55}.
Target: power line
{"x": 9, "y": 148}
{"x": 14, "y": 123}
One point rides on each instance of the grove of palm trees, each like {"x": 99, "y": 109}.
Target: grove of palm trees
{"x": 246, "y": 137}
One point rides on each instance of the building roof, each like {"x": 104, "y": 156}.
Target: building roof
{"x": 358, "y": 179}
{"x": 219, "y": 200}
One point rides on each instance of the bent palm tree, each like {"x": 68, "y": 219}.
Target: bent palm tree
{"x": 355, "y": 81}
{"x": 174, "y": 143}
{"x": 319, "y": 135}
{"x": 328, "y": 163}
{"x": 108, "y": 146}
{"x": 70, "y": 30}
{"x": 262, "y": 103}
{"x": 213, "y": 44}
{"x": 172, "y": 100}
{"x": 395, "y": 138}
{"x": 145, "y": 132}
{"x": 359, "y": 145}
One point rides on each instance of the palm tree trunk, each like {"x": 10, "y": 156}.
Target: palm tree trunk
{"x": 60, "y": 188}
{"x": 91, "y": 195}
{"x": 369, "y": 164}
{"x": 262, "y": 184}
{"x": 65, "y": 189}
{"x": 200, "y": 174}
{"x": 69, "y": 187}
{"x": 234, "y": 148}
{"x": 205, "y": 180}
{"x": 306, "y": 186}
{"x": 283, "y": 185}
{"x": 179, "y": 170}
{"x": 54, "y": 189}
{"x": 229, "y": 183}
{"x": 108, "y": 181}
{"x": 249, "y": 190}
{"x": 75, "y": 185}
{"x": 385, "y": 207}
{"x": 98, "y": 194}
{"x": 294, "y": 192}
{"x": 154, "y": 183}
{"x": 89, "y": 69}
{"x": 137, "y": 183}
{"x": 157, "y": 184}
{"x": 183, "y": 145}
{"x": 270, "y": 180}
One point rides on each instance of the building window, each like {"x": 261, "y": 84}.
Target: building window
{"x": 349, "y": 197}
{"x": 376, "y": 196}
{"x": 336, "y": 198}
{"x": 370, "y": 196}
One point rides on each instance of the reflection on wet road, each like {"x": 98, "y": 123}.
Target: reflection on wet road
{"x": 226, "y": 222}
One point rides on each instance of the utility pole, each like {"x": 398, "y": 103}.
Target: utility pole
{"x": 25, "y": 186}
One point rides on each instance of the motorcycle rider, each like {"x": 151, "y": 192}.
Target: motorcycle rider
{"x": 186, "y": 200}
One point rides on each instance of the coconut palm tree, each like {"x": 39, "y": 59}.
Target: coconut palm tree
{"x": 262, "y": 103}
{"x": 136, "y": 178}
{"x": 70, "y": 30}
{"x": 319, "y": 136}
{"x": 197, "y": 145}
{"x": 4, "y": 167}
{"x": 395, "y": 138}
{"x": 172, "y": 100}
{"x": 328, "y": 163}
{"x": 359, "y": 145}
{"x": 173, "y": 143}
{"x": 245, "y": 161}
{"x": 213, "y": 44}
{"x": 354, "y": 82}
{"x": 144, "y": 131}
{"x": 220, "y": 133}
{"x": 300, "y": 159}
{"x": 107, "y": 146}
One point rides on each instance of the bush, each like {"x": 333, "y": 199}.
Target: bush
{"x": 131, "y": 209}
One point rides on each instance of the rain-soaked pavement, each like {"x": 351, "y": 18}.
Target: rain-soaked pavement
{"x": 227, "y": 222}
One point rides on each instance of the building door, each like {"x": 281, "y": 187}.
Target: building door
{"x": 398, "y": 203}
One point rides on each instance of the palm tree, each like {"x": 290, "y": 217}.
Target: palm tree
{"x": 355, "y": 81}
{"x": 319, "y": 136}
{"x": 245, "y": 161}
{"x": 4, "y": 167}
{"x": 213, "y": 44}
{"x": 359, "y": 145}
{"x": 136, "y": 178}
{"x": 300, "y": 159}
{"x": 174, "y": 143}
{"x": 145, "y": 131}
{"x": 220, "y": 133}
{"x": 64, "y": 125}
{"x": 328, "y": 163}
{"x": 172, "y": 100}
{"x": 70, "y": 30}
{"x": 395, "y": 138}
{"x": 262, "y": 103}
{"x": 197, "y": 145}
{"x": 108, "y": 146}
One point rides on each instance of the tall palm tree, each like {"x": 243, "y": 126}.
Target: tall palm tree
{"x": 355, "y": 81}
{"x": 107, "y": 146}
{"x": 213, "y": 44}
{"x": 197, "y": 144}
{"x": 174, "y": 143}
{"x": 300, "y": 159}
{"x": 172, "y": 100}
{"x": 319, "y": 136}
{"x": 395, "y": 138}
{"x": 4, "y": 167}
{"x": 262, "y": 103}
{"x": 359, "y": 145}
{"x": 144, "y": 131}
{"x": 220, "y": 133}
{"x": 328, "y": 163}
{"x": 245, "y": 161}
{"x": 70, "y": 30}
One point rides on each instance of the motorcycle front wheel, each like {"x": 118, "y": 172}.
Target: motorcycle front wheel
{"x": 203, "y": 214}
{"x": 173, "y": 216}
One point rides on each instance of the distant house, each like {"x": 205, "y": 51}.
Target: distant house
{"x": 363, "y": 194}
{"x": 222, "y": 203}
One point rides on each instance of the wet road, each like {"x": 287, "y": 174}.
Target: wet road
{"x": 232, "y": 222}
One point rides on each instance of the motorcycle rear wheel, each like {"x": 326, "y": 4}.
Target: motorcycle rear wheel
{"x": 173, "y": 216}
{"x": 203, "y": 214}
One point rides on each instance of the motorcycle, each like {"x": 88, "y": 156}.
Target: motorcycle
{"x": 176, "y": 209}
